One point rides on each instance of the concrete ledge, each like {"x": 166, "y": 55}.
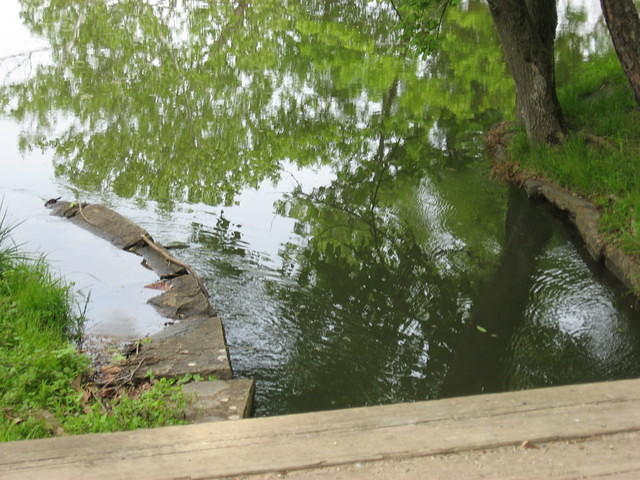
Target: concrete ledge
{"x": 348, "y": 438}
{"x": 184, "y": 299}
{"x": 585, "y": 216}
{"x": 219, "y": 400}
{"x": 194, "y": 346}
{"x": 195, "y": 343}
{"x": 583, "y": 213}
{"x": 102, "y": 221}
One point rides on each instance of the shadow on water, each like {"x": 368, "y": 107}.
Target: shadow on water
{"x": 507, "y": 345}
{"x": 483, "y": 349}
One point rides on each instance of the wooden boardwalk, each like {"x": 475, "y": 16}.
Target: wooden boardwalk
{"x": 582, "y": 431}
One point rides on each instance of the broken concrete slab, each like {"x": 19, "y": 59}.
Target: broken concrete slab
{"x": 219, "y": 400}
{"x": 64, "y": 209}
{"x": 194, "y": 346}
{"x": 188, "y": 295}
{"x": 102, "y": 221}
{"x": 184, "y": 299}
{"x": 157, "y": 262}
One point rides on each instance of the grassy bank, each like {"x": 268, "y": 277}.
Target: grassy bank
{"x": 43, "y": 379}
{"x": 601, "y": 157}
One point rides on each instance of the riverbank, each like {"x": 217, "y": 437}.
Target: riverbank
{"x": 597, "y": 165}
{"x": 49, "y": 388}
{"x": 45, "y": 382}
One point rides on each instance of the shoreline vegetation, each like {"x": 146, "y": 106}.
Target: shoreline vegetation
{"x": 598, "y": 161}
{"x": 46, "y": 386}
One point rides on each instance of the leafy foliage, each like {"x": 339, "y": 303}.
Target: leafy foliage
{"x": 195, "y": 102}
{"x": 422, "y": 20}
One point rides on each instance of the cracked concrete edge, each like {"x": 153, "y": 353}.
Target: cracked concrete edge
{"x": 187, "y": 296}
{"x": 126, "y": 235}
{"x": 585, "y": 216}
{"x": 179, "y": 350}
{"x": 184, "y": 299}
{"x": 219, "y": 400}
{"x": 101, "y": 221}
{"x": 583, "y": 213}
{"x": 196, "y": 343}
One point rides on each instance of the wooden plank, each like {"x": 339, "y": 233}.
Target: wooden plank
{"x": 297, "y": 442}
{"x": 614, "y": 457}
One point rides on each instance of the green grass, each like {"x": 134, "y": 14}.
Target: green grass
{"x": 601, "y": 157}
{"x": 40, "y": 369}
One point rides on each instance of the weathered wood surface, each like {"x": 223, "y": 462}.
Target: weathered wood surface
{"x": 614, "y": 457}
{"x": 342, "y": 437}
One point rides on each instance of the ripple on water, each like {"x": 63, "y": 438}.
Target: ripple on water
{"x": 574, "y": 329}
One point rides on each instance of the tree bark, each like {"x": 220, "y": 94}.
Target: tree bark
{"x": 527, "y": 34}
{"x": 624, "y": 26}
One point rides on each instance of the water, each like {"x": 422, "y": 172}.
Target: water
{"x": 330, "y": 183}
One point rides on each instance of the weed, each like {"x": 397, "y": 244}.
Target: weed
{"x": 41, "y": 371}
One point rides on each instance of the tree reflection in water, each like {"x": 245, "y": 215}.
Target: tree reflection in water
{"x": 397, "y": 260}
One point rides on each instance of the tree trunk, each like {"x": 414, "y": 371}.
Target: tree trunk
{"x": 624, "y": 26}
{"x": 527, "y": 33}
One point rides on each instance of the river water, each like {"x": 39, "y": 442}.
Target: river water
{"x": 330, "y": 184}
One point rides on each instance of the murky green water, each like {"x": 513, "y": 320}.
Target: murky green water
{"x": 331, "y": 185}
